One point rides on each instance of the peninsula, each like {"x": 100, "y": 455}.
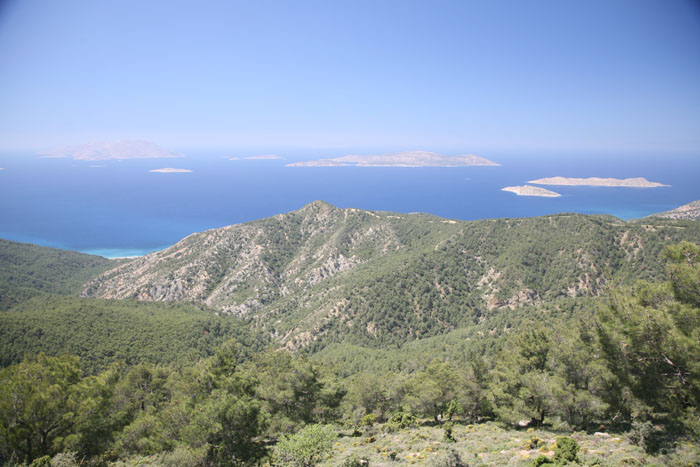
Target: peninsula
{"x": 105, "y": 150}
{"x": 402, "y": 159}
{"x": 690, "y": 211}
{"x": 527, "y": 190}
{"x": 638, "y": 182}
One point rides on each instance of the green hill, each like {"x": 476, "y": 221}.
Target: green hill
{"x": 323, "y": 274}
{"x": 41, "y": 312}
{"x": 102, "y": 332}
{"x": 27, "y": 270}
{"x": 416, "y": 338}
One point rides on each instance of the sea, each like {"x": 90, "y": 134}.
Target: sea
{"x": 119, "y": 208}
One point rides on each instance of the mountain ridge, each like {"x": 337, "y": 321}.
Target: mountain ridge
{"x": 325, "y": 274}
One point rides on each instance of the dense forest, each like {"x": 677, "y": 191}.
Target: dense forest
{"x": 606, "y": 377}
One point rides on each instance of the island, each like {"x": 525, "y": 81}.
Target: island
{"x": 265, "y": 157}
{"x": 170, "y": 170}
{"x": 402, "y": 159}
{"x": 638, "y": 182}
{"x": 527, "y": 190}
{"x": 105, "y": 150}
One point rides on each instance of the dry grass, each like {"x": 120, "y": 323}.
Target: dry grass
{"x": 490, "y": 444}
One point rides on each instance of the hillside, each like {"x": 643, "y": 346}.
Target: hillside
{"x": 102, "y": 332}
{"x": 687, "y": 211}
{"x": 423, "y": 340}
{"x": 323, "y": 274}
{"x": 41, "y": 312}
{"x": 27, "y": 270}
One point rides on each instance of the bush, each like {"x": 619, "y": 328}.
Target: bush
{"x": 400, "y": 420}
{"x": 643, "y": 435}
{"x": 534, "y": 443}
{"x": 355, "y": 462}
{"x": 566, "y": 450}
{"x": 541, "y": 460}
{"x": 65, "y": 459}
{"x": 368, "y": 420}
{"x": 44, "y": 461}
{"x": 449, "y": 458}
{"x": 305, "y": 448}
{"x": 448, "y": 427}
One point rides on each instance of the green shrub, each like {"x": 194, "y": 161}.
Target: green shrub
{"x": 44, "y": 461}
{"x": 305, "y": 448}
{"x": 533, "y": 443}
{"x": 448, "y": 435}
{"x": 355, "y": 462}
{"x": 368, "y": 420}
{"x": 399, "y": 421}
{"x": 541, "y": 460}
{"x": 448, "y": 458}
{"x": 566, "y": 450}
{"x": 645, "y": 436}
{"x": 65, "y": 459}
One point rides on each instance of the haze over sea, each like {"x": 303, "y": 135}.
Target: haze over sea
{"x": 118, "y": 208}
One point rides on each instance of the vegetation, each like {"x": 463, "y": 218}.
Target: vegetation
{"x": 28, "y": 270}
{"x": 322, "y": 275}
{"x": 102, "y": 332}
{"x": 605, "y": 377}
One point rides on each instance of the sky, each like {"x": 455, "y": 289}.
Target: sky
{"x": 610, "y": 75}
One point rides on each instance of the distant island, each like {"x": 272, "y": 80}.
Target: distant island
{"x": 527, "y": 190}
{"x": 690, "y": 211}
{"x": 402, "y": 159}
{"x": 264, "y": 157}
{"x": 170, "y": 170}
{"x": 638, "y": 182}
{"x": 105, "y": 150}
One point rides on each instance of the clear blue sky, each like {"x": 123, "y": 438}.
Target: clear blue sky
{"x": 467, "y": 75}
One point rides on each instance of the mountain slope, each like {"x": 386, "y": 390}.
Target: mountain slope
{"x": 102, "y": 332}
{"x": 687, "y": 211}
{"x": 323, "y": 274}
{"x": 28, "y": 270}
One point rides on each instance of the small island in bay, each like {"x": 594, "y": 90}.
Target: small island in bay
{"x": 527, "y": 190}
{"x": 105, "y": 150}
{"x": 402, "y": 159}
{"x": 170, "y": 170}
{"x": 638, "y": 182}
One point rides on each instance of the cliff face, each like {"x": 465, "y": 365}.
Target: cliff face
{"x": 378, "y": 278}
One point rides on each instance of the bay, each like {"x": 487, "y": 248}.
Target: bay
{"x": 120, "y": 208}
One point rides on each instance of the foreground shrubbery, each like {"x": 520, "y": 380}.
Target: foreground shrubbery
{"x": 636, "y": 367}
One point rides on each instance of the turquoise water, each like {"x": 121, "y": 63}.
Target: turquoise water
{"x": 119, "y": 208}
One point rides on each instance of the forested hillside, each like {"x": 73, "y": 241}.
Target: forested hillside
{"x": 27, "y": 270}
{"x": 102, "y": 332}
{"x": 344, "y": 337}
{"x": 324, "y": 274}
{"x": 40, "y": 311}
{"x": 616, "y": 387}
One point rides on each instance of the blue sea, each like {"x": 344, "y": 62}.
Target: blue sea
{"x": 119, "y": 208}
